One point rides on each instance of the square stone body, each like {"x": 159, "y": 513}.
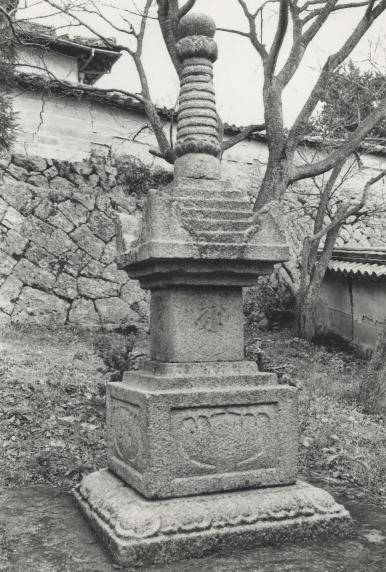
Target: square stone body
{"x": 190, "y": 324}
{"x": 169, "y": 442}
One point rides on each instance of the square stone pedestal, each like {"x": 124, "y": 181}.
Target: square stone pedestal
{"x": 146, "y": 532}
{"x": 169, "y": 442}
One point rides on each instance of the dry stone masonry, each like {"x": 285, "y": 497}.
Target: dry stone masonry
{"x": 201, "y": 445}
{"x": 57, "y": 244}
{"x": 80, "y": 201}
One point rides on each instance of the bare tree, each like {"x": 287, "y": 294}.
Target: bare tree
{"x": 7, "y": 117}
{"x": 333, "y": 211}
{"x": 131, "y": 22}
{"x": 301, "y": 21}
{"x": 297, "y": 23}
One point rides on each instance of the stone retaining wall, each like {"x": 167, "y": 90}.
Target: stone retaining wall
{"x": 57, "y": 240}
{"x": 57, "y": 245}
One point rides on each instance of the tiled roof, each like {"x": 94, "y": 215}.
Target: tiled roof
{"x": 35, "y": 31}
{"x": 366, "y": 269}
{"x": 94, "y": 58}
{"x": 366, "y": 262}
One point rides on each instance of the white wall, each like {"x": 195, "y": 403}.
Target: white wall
{"x": 353, "y": 308}
{"x": 61, "y": 66}
{"x": 65, "y": 128}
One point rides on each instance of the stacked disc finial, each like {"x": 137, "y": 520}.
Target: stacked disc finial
{"x": 197, "y": 128}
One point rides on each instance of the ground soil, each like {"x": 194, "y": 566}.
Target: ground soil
{"x": 52, "y": 408}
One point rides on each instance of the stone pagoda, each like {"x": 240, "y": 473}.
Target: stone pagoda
{"x": 202, "y": 447}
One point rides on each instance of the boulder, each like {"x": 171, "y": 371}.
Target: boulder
{"x": 51, "y": 172}
{"x": 93, "y": 269}
{"x": 13, "y": 219}
{"x": 16, "y": 194}
{"x": 33, "y": 275}
{"x": 115, "y": 313}
{"x": 97, "y": 288}
{"x": 9, "y": 292}
{"x": 74, "y": 212}
{"x": 84, "y": 197}
{"x": 7, "y": 264}
{"x": 86, "y": 240}
{"x": 101, "y": 225}
{"x": 13, "y": 243}
{"x": 76, "y": 262}
{"x": 61, "y": 184}
{"x": 66, "y": 286}
{"x": 30, "y": 162}
{"x": 83, "y": 314}
{"x": 38, "y": 181}
{"x": 37, "y": 307}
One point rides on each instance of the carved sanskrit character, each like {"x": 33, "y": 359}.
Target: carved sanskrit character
{"x": 197, "y": 127}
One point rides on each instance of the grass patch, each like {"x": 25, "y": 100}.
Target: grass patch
{"x": 52, "y": 406}
{"x": 335, "y": 438}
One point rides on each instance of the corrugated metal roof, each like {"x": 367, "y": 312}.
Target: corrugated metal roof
{"x": 358, "y": 268}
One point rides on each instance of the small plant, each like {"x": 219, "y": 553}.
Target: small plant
{"x": 114, "y": 349}
{"x": 139, "y": 177}
{"x": 273, "y": 303}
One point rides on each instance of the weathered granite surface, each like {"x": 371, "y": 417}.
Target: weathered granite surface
{"x": 153, "y": 532}
{"x": 201, "y": 220}
{"x": 197, "y": 419}
{"x": 178, "y": 442}
{"x": 203, "y": 323}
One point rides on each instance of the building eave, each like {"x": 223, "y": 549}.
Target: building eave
{"x": 116, "y": 99}
{"x": 99, "y": 58}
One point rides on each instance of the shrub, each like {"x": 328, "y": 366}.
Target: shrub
{"x": 139, "y": 177}
{"x": 114, "y": 349}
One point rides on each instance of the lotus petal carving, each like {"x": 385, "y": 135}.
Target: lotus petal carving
{"x": 224, "y": 439}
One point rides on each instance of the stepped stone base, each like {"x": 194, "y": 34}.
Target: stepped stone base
{"x": 143, "y": 532}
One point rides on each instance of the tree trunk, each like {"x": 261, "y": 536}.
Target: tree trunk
{"x": 276, "y": 178}
{"x": 306, "y": 316}
{"x": 311, "y": 282}
{"x": 275, "y": 182}
{"x": 372, "y": 391}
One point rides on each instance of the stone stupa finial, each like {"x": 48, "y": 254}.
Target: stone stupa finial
{"x": 197, "y": 126}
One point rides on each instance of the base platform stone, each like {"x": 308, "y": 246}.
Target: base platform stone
{"x": 141, "y": 532}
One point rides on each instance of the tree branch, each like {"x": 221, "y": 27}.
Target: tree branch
{"x": 246, "y": 132}
{"x": 350, "y": 145}
{"x": 331, "y": 64}
{"x": 185, "y": 8}
{"x": 251, "y": 18}
{"x": 347, "y": 210}
{"x": 168, "y": 21}
{"x": 232, "y": 31}
{"x": 278, "y": 39}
